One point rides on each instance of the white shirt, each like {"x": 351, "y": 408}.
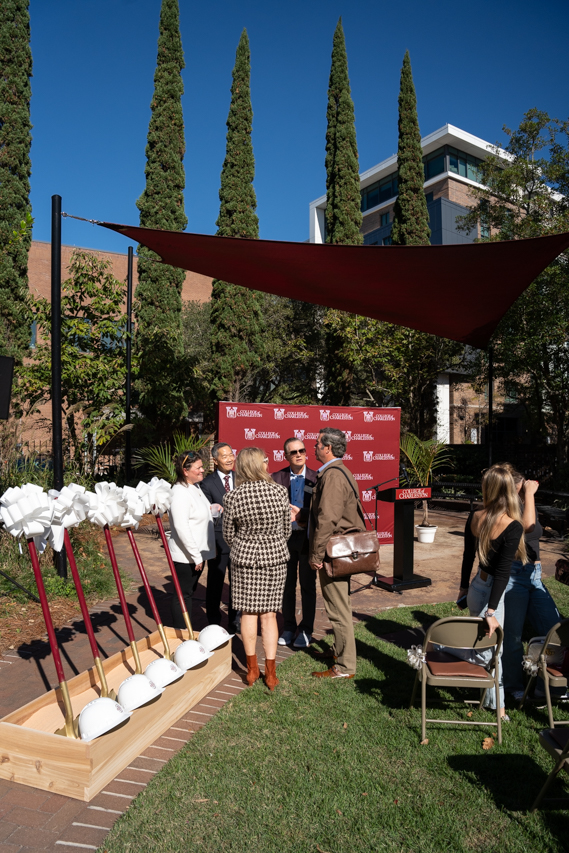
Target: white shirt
{"x": 223, "y": 476}
{"x": 192, "y": 537}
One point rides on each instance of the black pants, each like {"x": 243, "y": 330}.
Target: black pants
{"x": 216, "y": 569}
{"x": 188, "y": 577}
{"x": 307, "y": 576}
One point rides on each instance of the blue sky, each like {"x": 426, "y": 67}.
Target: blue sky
{"x": 477, "y": 66}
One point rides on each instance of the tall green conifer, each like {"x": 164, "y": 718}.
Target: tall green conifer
{"x": 15, "y": 169}
{"x": 343, "y": 210}
{"x": 410, "y": 215}
{"x": 158, "y": 295}
{"x": 236, "y": 312}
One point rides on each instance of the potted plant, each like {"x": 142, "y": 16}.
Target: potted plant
{"x": 423, "y": 457}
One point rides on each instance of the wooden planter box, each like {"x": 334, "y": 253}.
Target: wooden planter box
{"x": 30, "y": 752}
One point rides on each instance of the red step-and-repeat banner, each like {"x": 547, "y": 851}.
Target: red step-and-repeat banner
{"x": 373, "y": 443}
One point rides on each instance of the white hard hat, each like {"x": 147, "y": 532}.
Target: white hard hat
{"x": 100, "y": 716}
{"x": 190, "y": 653}
{"x": 163, "y": 671}
{"x": 137, "y": 690}
{"x": 214, "y": 636}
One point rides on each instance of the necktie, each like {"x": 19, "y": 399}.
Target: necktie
{"x": 226, "y": 478}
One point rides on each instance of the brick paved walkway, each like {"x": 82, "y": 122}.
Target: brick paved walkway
{"x": 33, "y": 820}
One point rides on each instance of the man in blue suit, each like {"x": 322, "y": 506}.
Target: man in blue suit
{"x": 299, "y": 480}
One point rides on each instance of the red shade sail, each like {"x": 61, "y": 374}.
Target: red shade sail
{"x": 459, "y": 292}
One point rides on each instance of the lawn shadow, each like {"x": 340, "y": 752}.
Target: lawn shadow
{"x": 514, "y": 782}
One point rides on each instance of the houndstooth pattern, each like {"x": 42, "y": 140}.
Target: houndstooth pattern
{"x": 256, "y": 525}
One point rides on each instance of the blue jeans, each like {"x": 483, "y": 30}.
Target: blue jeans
{"x": 477, "y": 600}
{"x": 525, "y": 597}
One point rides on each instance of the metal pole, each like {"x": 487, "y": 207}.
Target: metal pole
{"x": 490, "y": 401}
{"x": 128, "y": 449}
{"x": 56, "y": 401}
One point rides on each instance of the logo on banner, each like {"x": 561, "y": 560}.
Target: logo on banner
{"x": 279, "y": 414}
{"x": 299, "y": 433}
{"x": 335, "y": 416}
{"x": 278, "y": 455}
{"x": 358, "y": 436}
{"x": 324, "y": 414}
{"x": 370, "y": 456}
{"x": 378, "y": 416}
{"x": 368, "y": 495}
{"x": 252, "y": 434}
{"x": 231, "y": 411}
{"x": 383, "y": 534}
{"x": 363, "y": 477}
{"x": 347, "y": 456}
{"x": 249, "y": 413}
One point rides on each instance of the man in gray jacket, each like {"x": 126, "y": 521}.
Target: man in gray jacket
{"x": 334, "y": 510}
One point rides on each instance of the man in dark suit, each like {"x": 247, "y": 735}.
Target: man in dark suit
{"x": 299, "y": 480}
{"x": 215, "y": 486}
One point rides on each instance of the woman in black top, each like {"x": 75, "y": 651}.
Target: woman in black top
{"x": 525, "y": 595}
{"x": 495, "y": 533}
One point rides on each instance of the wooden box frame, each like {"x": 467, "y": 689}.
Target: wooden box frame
{"x": 30, "y": 752}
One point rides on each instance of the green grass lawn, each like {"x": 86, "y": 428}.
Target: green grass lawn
{"x": 336, "y": 767}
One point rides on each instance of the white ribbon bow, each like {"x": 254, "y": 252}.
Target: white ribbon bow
{"x": 26, "y": 511}
{"x": 157, "y": 495}
{"x": 134, "y": 507}
{"x": 70, "y": 507}
{"x": 416, "y": 657}
{"x": 106, "y": 505}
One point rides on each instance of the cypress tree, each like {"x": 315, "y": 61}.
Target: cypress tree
{"x": 158, "y": 295}
{"x": 343, "y": 199}
{"x": 15, "y": 169}
{"x": 237, "y": 312}
{"x": 410, "y": 215}
{"x": 343, "y": 210}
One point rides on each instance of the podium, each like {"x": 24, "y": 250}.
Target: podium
{"x": 404, "y": 539}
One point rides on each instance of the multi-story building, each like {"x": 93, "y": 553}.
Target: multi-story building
{"x": 451, "y": 159}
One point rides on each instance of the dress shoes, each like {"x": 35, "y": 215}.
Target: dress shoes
{"x": 333, "y": 672}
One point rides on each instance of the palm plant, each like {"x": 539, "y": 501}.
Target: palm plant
{"x": 160, "y": 457}
{"x": 423, "y": 457}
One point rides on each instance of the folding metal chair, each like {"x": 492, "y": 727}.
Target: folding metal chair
{"x": 557, "y": 744}
{"x": 441, "y": 669}
{"x": 558, "y": 637}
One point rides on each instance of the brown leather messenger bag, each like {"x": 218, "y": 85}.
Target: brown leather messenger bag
{"x": 354, "y": 551}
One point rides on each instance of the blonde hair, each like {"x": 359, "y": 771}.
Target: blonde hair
{"x": 499, "y": 496}
{"x": 250, "y": 468}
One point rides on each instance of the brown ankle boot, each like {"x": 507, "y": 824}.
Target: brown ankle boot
{"x": 253, "y": 672}
{"x": 271, "y": 679}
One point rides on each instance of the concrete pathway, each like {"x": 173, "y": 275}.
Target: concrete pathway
{"x": 33, "y": 820}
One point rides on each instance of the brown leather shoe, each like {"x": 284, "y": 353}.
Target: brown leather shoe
{"x": 253, "y": 672}
{"x": 333, "y": 672}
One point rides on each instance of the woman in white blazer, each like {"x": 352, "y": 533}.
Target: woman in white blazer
{"x": 192, "y": 537}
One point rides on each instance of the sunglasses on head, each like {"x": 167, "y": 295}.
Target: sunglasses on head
{"x": 190, "y": 457}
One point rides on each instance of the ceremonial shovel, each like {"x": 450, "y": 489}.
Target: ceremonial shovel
{"x": 122, "y": 599}
{"x": 179, "y": 593}
{"x": 70, "y": 728}
{"x": 87, "y": 620}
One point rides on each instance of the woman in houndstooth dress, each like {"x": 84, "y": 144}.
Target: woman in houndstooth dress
{"x": 256, "y": 526}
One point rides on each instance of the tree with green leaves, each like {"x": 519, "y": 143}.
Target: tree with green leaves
{"x": 410, "y": 214}
{"x": 237, "y": 337}
{"x": 524, "y": 193}
{"x": 343, "y": 211}
{"x": 15, "y": 169}
{"x": 158, "y": 305}
{"x": 93, "y": 364}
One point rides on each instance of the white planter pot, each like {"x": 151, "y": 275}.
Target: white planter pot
{"x": 426, "y": 534}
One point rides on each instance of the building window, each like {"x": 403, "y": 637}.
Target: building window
{"x": 384, "y": 219}
{"x": 510, "y": 392}
{"x": 434, "y": 163}
{"x": 386, "y": 241}
{"x": 463, "y": 164}
{"x": 380, "y": 192}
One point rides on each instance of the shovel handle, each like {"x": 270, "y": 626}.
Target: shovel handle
{"x": 46, "y": 612}
{"x": 174, "y": 574}
{"x": 80, "y": 594}
{"x": 118, "y": 582}
{"x": 144, "y": 576}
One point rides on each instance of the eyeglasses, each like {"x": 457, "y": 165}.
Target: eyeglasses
{"x": 295, "y": 452}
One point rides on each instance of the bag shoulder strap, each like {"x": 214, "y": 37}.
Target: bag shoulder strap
{"x": 360, "y": 509}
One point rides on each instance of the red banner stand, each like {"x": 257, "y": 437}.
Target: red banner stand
{"x": 404, "y": 536}
{"x": 372, "y": 454}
